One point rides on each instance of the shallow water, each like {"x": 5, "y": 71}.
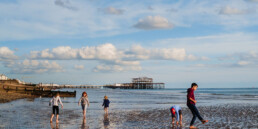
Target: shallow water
{"x": 35, "y": 113}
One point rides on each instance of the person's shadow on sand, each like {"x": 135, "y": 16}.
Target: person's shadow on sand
{"x": 106, "y": 121}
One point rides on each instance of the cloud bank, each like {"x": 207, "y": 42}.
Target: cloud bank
{"x": 34, "y": 66}
{"x": 112, "y": 58}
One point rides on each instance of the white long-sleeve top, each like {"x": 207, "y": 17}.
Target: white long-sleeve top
{"x": 84, "y": 101}
{"x": 55, "y": 100}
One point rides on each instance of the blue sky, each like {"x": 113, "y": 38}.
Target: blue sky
{"x": 213, "y": 43}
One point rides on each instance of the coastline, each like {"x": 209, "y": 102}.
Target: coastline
{"x": 6, "y": 97}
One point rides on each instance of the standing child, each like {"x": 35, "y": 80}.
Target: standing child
{"x": 54, "y": 101}
{"x": 106, "y": 104}
{"x": 84, "y": 103}
{"x": 191, "y": 105}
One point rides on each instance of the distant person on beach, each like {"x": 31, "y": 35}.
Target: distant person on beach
{"x": 54, "y": 102}
{"x": 191, "y": 105}
{"x": 84, "y": 103}
{"x": 106, "y": 104}
{"x": 176, "y": 111}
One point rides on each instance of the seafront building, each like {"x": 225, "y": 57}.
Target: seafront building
{"x": 3, "y": 77}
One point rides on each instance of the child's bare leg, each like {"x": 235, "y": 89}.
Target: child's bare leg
{"x": 106, "y": 110}
{"x": 173, "y": 119}
{"x": 84, "y": 113}
{"x": 52, "y": 116}
{"x": 84, "y": 120}
{"x": 57, "y": 118}
{"x": 181, "y": 119}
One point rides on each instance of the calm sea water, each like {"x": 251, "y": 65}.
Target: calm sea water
{"x": 23, "y": 113}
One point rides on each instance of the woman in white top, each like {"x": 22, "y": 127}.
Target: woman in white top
{"x": 84, "y": 103}
{"x": 54, "y": 101}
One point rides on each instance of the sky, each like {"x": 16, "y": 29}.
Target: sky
{"x": 213, "y": 43}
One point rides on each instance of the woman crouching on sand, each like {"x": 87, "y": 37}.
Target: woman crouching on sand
{"x": 84, "y": 103}
{"x": 191, "y": 105}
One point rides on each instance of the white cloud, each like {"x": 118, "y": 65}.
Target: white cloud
{"x": 178, "y": 54}
{"x": 116, "y": 68}
{"x": 108, "y": 52}
{"x": 102, "y": 52}
{"x": 34, "y": 66}
{"x": 153, "y": 22}
{"x": 22, "y": 19}
{"x": 243, "y": 59}
{"x": 232, "y": 11}
{"x": 6, "y": 54}
{"x": 79, "y": 67}
{"x": 113, "y": 59}
{"x": 113, "y": 11}
{"x": 212, "y": 45}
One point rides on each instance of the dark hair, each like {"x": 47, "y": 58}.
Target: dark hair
{"x": 194, "y": 84}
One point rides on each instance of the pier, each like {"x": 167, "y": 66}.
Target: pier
{"x": 139, "y": 83}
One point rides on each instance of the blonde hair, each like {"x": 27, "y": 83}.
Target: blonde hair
{"x": 105, "y": 97}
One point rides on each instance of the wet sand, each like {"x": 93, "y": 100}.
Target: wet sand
{"x": 11, "y": 96}
{"x": 222, "y": 116}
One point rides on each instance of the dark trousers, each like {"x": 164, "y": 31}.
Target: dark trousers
{"x": 195, "y": 113}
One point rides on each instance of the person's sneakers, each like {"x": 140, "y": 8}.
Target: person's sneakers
{"x": 204, "y": 121}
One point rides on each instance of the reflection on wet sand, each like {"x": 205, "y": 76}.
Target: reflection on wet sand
{"x": 84, "y": 124}
{"x": 106, "y": 121}
{"x": 54, "y": 126}
{"x": 176, "y": 126}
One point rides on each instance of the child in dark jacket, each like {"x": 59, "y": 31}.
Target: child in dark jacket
{"x": 106, "y": 104}
{"x": 191, "y": 105}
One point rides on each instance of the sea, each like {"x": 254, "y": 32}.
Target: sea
{"x": 35, "y": 113}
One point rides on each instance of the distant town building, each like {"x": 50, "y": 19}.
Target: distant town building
{"x": 3, "y": 77}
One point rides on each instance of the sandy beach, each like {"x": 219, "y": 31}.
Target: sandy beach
{"x": 11, "y": 96}
{"x": 144, "y": 109}
{"x": 222, "y": 116}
